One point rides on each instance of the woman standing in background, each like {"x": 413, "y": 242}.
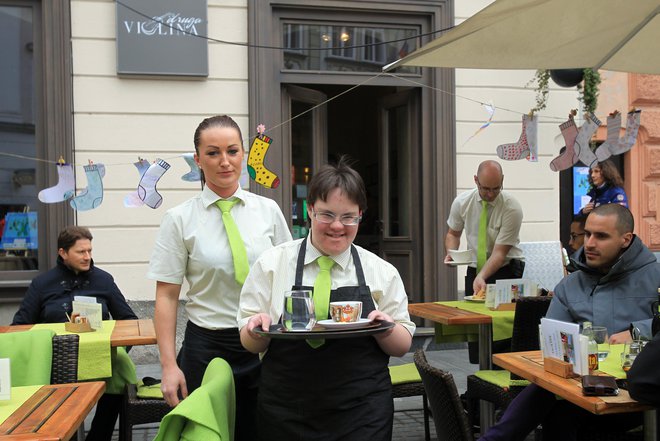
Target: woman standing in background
{"x": 606, "y": 187}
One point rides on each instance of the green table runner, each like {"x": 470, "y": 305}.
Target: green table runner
{"x": 612, "y": 364}
{"x": 502, "y": 324}
{"x": 19, "y": 395}
{"x": 94, "y": 354}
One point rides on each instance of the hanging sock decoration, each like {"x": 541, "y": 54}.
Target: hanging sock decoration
{"x": 65, "y": 188}
{"x": 92, "y": 196}
{"x": 527, "y": 145}
{"x": 613, "y": 128}
{"x": 193, "y": 175}
{"x": 582, "y": 147}
{"x": 147, "y": 187}
{"x": 626, "y": 143}
{"x": 569, "y": 131}
{"x": 132, "y": 200}
{"x": 255, "y": 163}
{"x": 490, "y": 108}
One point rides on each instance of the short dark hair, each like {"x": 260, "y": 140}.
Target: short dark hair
{"x": 70, "y": 235}
{"x": 214, "y": 121}
{"x": 625, "y": 223}
{"x": 580, "y": 218}
{"x": 341, "y": 176}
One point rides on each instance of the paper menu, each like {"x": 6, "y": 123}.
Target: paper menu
{"x": 562, "y": 340}
{"x": 93, "y": 311}
{"x": 5, "y": 379}
{"x": 507, "y": 290}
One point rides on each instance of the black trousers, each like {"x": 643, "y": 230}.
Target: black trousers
{"x": 105, "y": 418}
{"x": 514, "y": 270}
{"x": 200, "y": 346}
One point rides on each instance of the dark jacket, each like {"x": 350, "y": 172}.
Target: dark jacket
{"x": 607, "y": 194}
{"x": 644, "y": 375}
{"x": 51, "y": 294}
{"x": 615, "y": 300}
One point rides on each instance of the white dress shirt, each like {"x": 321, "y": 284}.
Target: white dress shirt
{"x": 192, "y": 243}
{"x": 504, "y": 221}
{"x": 274, "y": 273}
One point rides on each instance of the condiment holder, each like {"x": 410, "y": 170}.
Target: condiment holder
{"x": 78, "y": 324}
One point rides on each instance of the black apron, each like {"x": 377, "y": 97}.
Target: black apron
{"x": 339, "y": 391}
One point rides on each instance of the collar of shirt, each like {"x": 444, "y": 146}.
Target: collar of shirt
{"x": 209, "y": 197}
{"x": 489, "y": 203}
{"x": 313, "y": 253}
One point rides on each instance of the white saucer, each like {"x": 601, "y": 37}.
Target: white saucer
{"x": 472, "y": 299}
{"x": 331, "y": 324}
{"x": 454, "y": 263}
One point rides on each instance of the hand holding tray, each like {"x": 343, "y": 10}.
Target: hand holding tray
{"x": 277, "y": 331}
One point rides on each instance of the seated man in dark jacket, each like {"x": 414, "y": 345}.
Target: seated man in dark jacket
{"x": 49, "y": 299}
{"x": 614, "y": 286}
{"x": 644, "y": 375}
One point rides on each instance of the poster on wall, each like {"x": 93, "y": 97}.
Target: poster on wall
{"x": 162, "y": 37}
{"x": 20, "y": 231}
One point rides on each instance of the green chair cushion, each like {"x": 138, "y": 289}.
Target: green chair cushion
{"x": 31, "y": 356}
{"x": 404, "y": 373}
{"x": 500, "y": 378}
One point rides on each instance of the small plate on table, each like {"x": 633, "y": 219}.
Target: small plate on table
{"x": 319, "y": 331}
{"x": 472, "y": 299}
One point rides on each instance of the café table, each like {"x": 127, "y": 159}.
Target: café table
{"x": 452, "y": 315}
{"x": 53, "y": 412}
{"x": 529, "y": 365}
{"x": 125, "y": 333}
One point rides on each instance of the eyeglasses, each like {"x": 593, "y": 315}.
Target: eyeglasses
{"x": 489, "y": 189}
{"x": 325, "y": 217}
{"x": 574, "y": 236}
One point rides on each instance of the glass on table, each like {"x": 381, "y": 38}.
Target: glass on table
{"x": 298, "y": 313}
{"x": 603, "y": 340}
{"x": 629, "y": 354}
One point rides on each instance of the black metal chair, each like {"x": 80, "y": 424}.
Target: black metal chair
{"x": 529, "y": 311}
{"x": 64, "y": 368}
{"x": 452, "y": 423}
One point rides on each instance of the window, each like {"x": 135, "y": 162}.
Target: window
{"x": 30, "y": 138}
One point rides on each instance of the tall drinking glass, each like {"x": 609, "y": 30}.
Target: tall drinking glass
{"x": 603, "y": 339}
{"x": 298, "y": 313}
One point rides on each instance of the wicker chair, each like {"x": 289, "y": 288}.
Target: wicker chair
{"x": 136, "y": 410}
{"x": 65, "y": 359}
{"x": 451, "y": 421}
{"x": 529, "y": 311}
{"x": 411, "y": 389}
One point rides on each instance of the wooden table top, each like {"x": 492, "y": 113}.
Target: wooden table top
{"x": 54, "y": 412}
{"x": 447, "y": 315}
{"x": 529, "y": 365}
{"x": 125, "y": 332}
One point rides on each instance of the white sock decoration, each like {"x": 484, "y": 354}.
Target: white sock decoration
{"x": 527, "y": 145}
{"x": 193, "y": 175}
{"x": 632, "y": 128}
{"x": 147, "y": 187}
{"x": 582, "y": 147}
{"x": 132, "y": 200}
{"x": 613, "y": 127}
{"x": 65, "y": 188}
{"x": 92, "y": 196}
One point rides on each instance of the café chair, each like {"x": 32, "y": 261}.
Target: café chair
{"x": 208, "y": 412}
{"x": 136, "y": 410}
{"x": 499, "y": 386}
{"x": 406, "y": 382}
{"x": 64, "y": 368}
{"x": 451, "y": 421}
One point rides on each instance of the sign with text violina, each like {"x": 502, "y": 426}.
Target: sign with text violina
{"x": 162, "y": 37}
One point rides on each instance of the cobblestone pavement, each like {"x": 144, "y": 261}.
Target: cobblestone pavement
{"x": 408, "y": 415}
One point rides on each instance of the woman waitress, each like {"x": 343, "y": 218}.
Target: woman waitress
{"x": 195, "y": 242}
{"x": 333, "y": 389}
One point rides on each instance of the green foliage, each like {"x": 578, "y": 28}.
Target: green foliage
{"x": 588, "y": 91}
{"x": 542, "y": 79}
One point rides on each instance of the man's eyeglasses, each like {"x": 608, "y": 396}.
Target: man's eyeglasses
{"x": 489, "y": 189}
{"x": 574, "y": 236}
{"x": 325, "y": 217}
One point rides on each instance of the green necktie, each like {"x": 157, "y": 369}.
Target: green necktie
{"x": 241, "y": 265}
{"x": 322, "y": 286}
{"x": 482, "y": 241}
